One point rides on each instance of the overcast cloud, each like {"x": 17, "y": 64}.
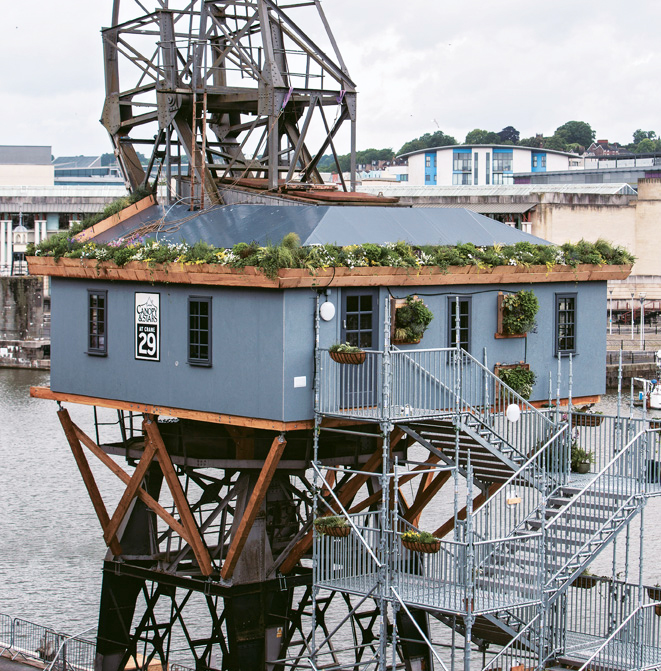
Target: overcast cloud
{"x": 420, "y": 66}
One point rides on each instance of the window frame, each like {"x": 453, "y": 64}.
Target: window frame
{"x": 99, "y": 350}
{"x": 198, "y": 361}
{"x": 556, "y": 329}
{"x": 463, "y": 300}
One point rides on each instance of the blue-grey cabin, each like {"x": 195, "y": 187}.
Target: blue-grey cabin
{"x": 242, "y": 346}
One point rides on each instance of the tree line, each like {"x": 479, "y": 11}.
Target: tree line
{"x": 572, "y": 136}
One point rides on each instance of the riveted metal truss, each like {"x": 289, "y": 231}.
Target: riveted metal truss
{"x": 215, "y": 92}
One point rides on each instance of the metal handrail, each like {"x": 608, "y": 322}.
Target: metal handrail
{"x": 508, "y": 648}
{"x": 586, "y": 533}
{"x": 348, "y": 517}
{"x": 615, "y": 633}
{"x": 484, "y": 515}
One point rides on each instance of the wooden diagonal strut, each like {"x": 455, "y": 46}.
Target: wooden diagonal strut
{"x": 88, "y": 479}
{"x": 131, "y": 491}
{"x": 254, "y": 503}
{"x": 188, "y": 521}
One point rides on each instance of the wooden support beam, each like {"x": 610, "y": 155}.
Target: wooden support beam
{"x": 253, "y": 506}
{"x": 424, "y": 496}
{"x": 149, "y": 501}
{"x": 346, "y": 494}
{"x": 88, "y": 479}
{"x": 478, "y": 501}
{"x": 376, "y": 497}
{"x": 188, "y": 521}
{"x": 131, "y": 490}
{"x": 244, "y": 439}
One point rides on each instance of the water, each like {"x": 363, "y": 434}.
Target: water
{"x": 51, "y": 546}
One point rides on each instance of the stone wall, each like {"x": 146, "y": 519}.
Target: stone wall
{"x": 24, "y": 323}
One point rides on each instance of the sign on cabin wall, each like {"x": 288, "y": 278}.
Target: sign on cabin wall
{"x": 147, "y": 326}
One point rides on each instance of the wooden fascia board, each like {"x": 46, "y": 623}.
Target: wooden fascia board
{"x": 112, "y": 221}
{"x": 295, "y": 278}
{"x": 212, "y": 417}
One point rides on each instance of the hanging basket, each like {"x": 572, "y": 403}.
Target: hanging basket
{"x": 355, "y": 358}
{"x": 426, "y": 548}
{"x": 337, "y": 532}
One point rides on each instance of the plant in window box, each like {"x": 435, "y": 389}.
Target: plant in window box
{"x": 421, "y": 541}
{"x": 411, "y": 321}
{"x": 518, "y": 312}
{"x": 343, "y": 352}
{"x": 580, "y": 459}
{"x": 519, "y": 378}
{"x": 332, "y": 525}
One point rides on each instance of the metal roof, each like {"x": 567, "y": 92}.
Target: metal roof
{"x": 63, "y": 191}
{"x": 412, "y": 191}
{"x": 18, "y": 155}
{"x": 490, "y": 208}
{"x": 75, "y": 162}
{"x": 227, "y": 225}
{"x": 44, "y": 199}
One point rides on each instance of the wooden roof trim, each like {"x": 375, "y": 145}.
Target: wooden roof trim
{"x": 112, "y": 221}
{"x": 293, "y": 278}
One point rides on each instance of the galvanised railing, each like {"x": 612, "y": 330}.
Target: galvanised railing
{"x": 505, "y": 573}
{"x": 521, "y": 652}
{"x": 594, "y": 608}
{"x": 635, "y": 645}
{"x": 55, "y": 649}
{"x": 6, "y": 632}
{"x": 352, "y": 390}
{"x": 586, "y": 522}
{"x": 427, "y": 383}
{"x": 603, "y": 435}
{"x": 521, "y": 497}
{"x": 345, "y": 563}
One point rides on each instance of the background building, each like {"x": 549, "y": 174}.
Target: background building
{"x": 482, "y": 164}
{"x": 21, "y": 165}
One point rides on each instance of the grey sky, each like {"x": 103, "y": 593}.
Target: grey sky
{"x": 420, "y": 65}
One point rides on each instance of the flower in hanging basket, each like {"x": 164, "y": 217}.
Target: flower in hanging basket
{"x": 332, "y": 525}
{"x": 411, "y": 321}
{"x": 343, "y": 352}
{"x": 421, "y": 541}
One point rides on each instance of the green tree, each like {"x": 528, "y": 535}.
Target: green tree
{"x": 645, "y": 146}
{"x": 641, "y": 135}
{"x": 536, "y": 142}
{"x": 575, "y": 131}
{"x": 509, "y": 134}
{"x": 476, "y": 136}
{"x": 437, "y": 139}
{"x": 556, "y": 142}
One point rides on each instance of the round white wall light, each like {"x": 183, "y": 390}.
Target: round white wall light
{"x": 327, "y": 311}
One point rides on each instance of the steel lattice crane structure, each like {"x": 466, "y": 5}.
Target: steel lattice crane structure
{"x": 234, "y": 88}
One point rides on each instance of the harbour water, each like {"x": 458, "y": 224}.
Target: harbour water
{"x": 51, "y": 547}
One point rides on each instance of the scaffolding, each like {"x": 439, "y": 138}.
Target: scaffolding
{"x": 524, "y": 527}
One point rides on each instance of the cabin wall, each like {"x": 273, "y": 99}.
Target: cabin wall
{"x": 537, "y": 349}
{"x": 263, "y": 343}
{"x": 246, "y": 375}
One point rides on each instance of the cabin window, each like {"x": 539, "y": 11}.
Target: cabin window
{"x": 464, "y": 322}
{"x": 199, "y": 331}
{"x": 97, "y": 321}
{"x": 565, "y": 323}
